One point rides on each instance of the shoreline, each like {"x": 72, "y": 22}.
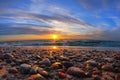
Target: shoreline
{"x": 71, "y": 47}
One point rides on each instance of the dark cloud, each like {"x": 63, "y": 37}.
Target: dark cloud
{"x": 18, "y": 30}
{"x": 98, "y": 4}
{"x": 113, "y": 34}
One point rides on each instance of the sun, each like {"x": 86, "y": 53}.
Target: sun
{"x": 54, "y": 36}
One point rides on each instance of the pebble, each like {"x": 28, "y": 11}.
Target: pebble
{"x": 35, "y": 77}
{"x": 13, "y": 70}
{"x": 76, "y": 72}
{"x": 61, "y": 75}
{"x": 107, "y": 67}
{"x": 57, "y": 65}
{"x": 8, "y": 56}
{"x": 46, "y": 62}
{"x": 67, "y": 64}
{"x": 91, "y": 63}
{"x": 25, "y": 68}
{"x": 44, "y": 73}
{"x": 34, "y": 70}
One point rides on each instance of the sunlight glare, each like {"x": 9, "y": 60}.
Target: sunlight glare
{"x": 54, "y": 36}
{"x": 54, "y": 47}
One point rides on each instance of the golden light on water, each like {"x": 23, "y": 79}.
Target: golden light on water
{"x": 54, "y": 47}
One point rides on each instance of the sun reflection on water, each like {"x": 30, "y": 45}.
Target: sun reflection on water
{"x": 54, "y": 47}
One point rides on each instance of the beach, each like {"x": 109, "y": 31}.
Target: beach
{"x": 58, "y": 63}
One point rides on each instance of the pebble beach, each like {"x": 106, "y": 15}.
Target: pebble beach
{"x": 32, "y": 63}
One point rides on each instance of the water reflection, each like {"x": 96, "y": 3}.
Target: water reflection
{"x": 54, "y": 47}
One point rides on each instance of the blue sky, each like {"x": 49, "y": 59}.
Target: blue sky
{"x": 74, "y": 19}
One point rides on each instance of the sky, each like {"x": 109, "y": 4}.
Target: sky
{"x": 70, "y": 19}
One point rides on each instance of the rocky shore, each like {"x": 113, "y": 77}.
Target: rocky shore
{"x": 22, "y": 63}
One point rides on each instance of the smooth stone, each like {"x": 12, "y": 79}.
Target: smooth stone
{"x": 61, "y": 75}
{"x": 67, "y": 64}
{"x": 108, "y": 59}
{"x": 91, "y": 63}
{"x": 8, "y": 56}
{"x": 34, "y": 70}
{"x": 64, "y": 58}
{"x": 36, "y": 77}
{"x": 44, "y": 73}
{"x": 76, "y": 72}
{"x": 68, "y": 54}
{"x": 13, "y": 70}
{"x": 57, "y": 65}
{"x": 46, "y": 62}
{"x": 25, "y": 68}
{"x": 19, "y": 61}
{"x": 38, "y": 57}
{"x": 107, "y": 67}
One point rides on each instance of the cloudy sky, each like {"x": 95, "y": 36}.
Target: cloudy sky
{"x": 71, "y": 19}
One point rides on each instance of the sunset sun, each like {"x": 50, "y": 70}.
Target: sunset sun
{"x": 54, "y": 36}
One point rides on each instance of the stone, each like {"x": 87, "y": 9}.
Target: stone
{"x": 46, "y": 62}
{"x": 34, "y": 70}
{"x": 57, "y": 65}
{"x": 13, "y": 70}
{"x": 91, "y": 63}
{"x": 67, "y": 64}
{"x": 36, "y": 77}
{"x": 76, "y": 72}
{"x": 61, "y": 75}
{"x": 8, "y": 56}
{"x": 107, "y": 67}
{"x": 44, "y": 73}
{"x": 25, "y": 68}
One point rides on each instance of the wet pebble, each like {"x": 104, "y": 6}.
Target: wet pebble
{"x": 8, "y": 56}
{"x": 57, "y": 65}
{"x": 34, "y": 70}
{"x": 76, "y": 72}
{"x": 35, "y": 77}
{"x": 67, "y": 64}
{"x": 46, "y": 62}
{"x": 61, "y": 75}
{"x": 43, "y": 73}
{"x": 25, "y": 68}
{"x": 13, "y": 70}
{"x": 107, "y": 67}
{"x": 91, "y": 63}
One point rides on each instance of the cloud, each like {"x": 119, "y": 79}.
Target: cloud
{"x": 16, "y": 29}
{"x": 58, "y": 21}
{"x": 46, "y": 6}
{"x": 111, "y": 34}
{"x": 96, "y": 5}
{"x": 43, "y": 17}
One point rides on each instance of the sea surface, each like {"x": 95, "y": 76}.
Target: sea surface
{"x": 65, "y": 43}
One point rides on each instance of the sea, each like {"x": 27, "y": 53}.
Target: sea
{"x": 98, "y": 44}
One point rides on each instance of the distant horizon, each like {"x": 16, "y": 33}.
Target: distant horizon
{"x": 68, "y": 19}
{"x": 57, "y": 40}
